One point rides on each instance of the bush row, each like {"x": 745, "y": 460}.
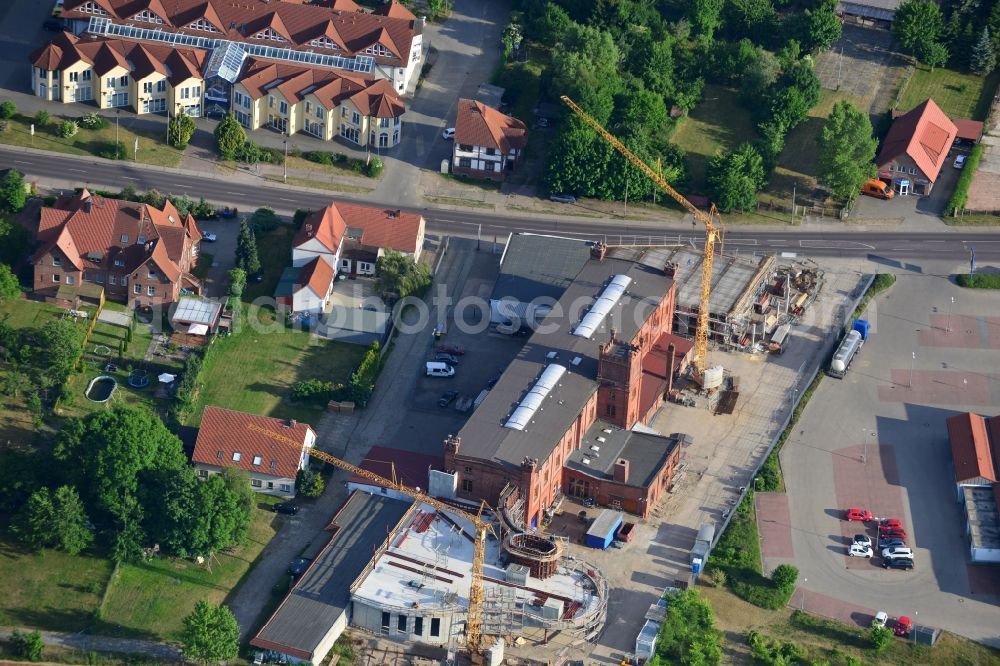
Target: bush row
{"x": 372, "y": 168}
{"x": 961, "y": 194}
{"x": 979, "y": 280}
{"x": 363, "y": 379}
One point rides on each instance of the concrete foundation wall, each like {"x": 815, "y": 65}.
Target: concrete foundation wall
{"x": 369, "y": 619}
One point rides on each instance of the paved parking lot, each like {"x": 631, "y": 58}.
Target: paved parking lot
{"x": 863, "y": 64}
{"x": 877, "y": 440}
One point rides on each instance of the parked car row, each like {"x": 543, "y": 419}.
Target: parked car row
{"x": 890, "y": 539}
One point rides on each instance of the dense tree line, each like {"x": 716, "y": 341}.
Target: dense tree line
{"x": 121, "y": 478}
{"x": 636, "y": 64}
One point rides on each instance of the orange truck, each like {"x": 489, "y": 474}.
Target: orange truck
{"x": 877, "y": 188}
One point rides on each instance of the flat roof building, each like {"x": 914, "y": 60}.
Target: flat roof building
{"x": 975, "y": 452}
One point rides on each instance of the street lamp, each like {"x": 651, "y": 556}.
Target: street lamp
{"x": 756, "y": 480}
{"x": 913, "y": 360}
{"x": 118, "y": 114}
{"x": 285, "y": 163}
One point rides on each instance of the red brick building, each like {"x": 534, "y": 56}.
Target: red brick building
{"x": 566, "y": 416}
{"x": 139, "y": 254}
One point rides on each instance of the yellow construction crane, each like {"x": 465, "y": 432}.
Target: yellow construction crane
{"x": 712, "y": 234}
{"x": 474, "y": 626}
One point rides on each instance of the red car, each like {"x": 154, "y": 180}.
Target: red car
{"x": 864, "y": 515}
{"x": 451, "y": 349}
{"x": 892, "y": 534}
{"x": 903, "y": 626}
{"x": 891, "y": 523}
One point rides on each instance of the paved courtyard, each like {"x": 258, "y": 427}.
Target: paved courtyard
{"x": 862, "y": 63}
{"x": 877, "y": 440}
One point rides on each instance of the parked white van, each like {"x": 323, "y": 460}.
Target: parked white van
{"x": 439, "y": 369}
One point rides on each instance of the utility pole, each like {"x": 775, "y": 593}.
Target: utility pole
{"x": 285, "y": 163}
{"x": 118, "y": 114}
{"x": 135, "y": 154}
{"x": 913, "y": 360}
{"x": 950, "y": 309}
{"x": 793, "y": 201}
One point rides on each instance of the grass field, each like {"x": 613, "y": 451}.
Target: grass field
{"x": 274, "y": 249}
{"x": 827, "y": 641}
{"x": 150, "y": 599}
{"x": 796, "y": 168}
{"x": 254, "y": 371}
{"x": 24, "y": 313}
{"x": 50, "y": 590}
{"x": 959, "y": 95}
{"x": 152, "y": 150}
{"x": 719, "y": 123}
{"x": 15, "y": 420}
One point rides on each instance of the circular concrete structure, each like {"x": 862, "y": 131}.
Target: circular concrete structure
{"x": 540, "y": 555}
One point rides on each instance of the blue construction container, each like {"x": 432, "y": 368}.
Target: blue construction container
{"x": 602, "y": 531}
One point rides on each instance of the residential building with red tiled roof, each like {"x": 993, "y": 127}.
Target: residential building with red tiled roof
{"x": 311, "y": 289}
{"x": 916, "y": 149}
{"x": 488, "y": 143}
{"x": 139, "y": 254}
{"x": 392, "y": 39}
{"x": 225, "y": 439}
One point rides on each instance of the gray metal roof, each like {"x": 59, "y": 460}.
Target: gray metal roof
{"x": 484, "y": 436}
{"x": 884, "y": 10}
{"x": 646, "y": 453}
{"x": 321, "y": 596}
{"x": 536, "y": 266}
{"x": 605, "y": 522}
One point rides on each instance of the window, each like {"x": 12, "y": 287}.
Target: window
{"x": 610, "y": 410}
{"x": 257, "y": 460}
{"x": 319, "y": 112}
{"x": 385, "y": 622}
{"x": 184, "y": 93}
{"x": 324, "y": 43}
{"x": 491, "y": 151}
{"x": 147, "y": 86}
{"x": 196, "y": 91}
{"x": 418, "y": 626}
{"x": 270, "y": 101}
{"x": 435, "y": 626}
{"x": 355, "y": 117}
{"x": 283, "y": 107}
{"x": 246, "y": 101}
{"x": 86, "y": 75}
{"x": 99, "y": 278}
{"x": 238, "y": 98}
{"x": 161, "y": 85}
{"x": 140, "y": 239}
{"x": 464, "y": 147}
{"x": 56, "y": 261}
{"x": 74, "y": 77}
{"x": 203, "y": 25}
{"x": 465, "y": 162}
{"x": 913, "y": 171}
{"x": 69, "y": 279}
{"x": 237, "y": 456}
{"x": 468, "y": 470}
{"x": 285, "y": 488}
{"x": 467, "y": 485}
{"x": 147, "y": 16}
{"x": 256, "y": 483}
{"x": 383, "y": 140}
{"x": 270, "y": 485}
{"x": 378, "y": 50}
{"x": 151, "y": 290}
{"x": 203, "y": 473}
{"x": 308, "y": 107}
{"x": 124, "y": 238}
{"x": 136, "y": 288}
{"x": 343, "y": 112}
{"x": 91, "y": 8}
{"x": 401, "y": 623}
{"x": 267, "y": 33}
{"x": 243, "y": 119}
{"x": 124, "y": 280}
{"x": 110, "y": 82}
{"x": 55, "y": 277}
{"x": 383, "y": 122}
{"x": 112, "y": 279}
{"x": 123, "y": 81}
{"x": 152, "y": 273}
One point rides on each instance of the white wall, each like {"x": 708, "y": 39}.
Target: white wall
{"x": 312, "y": 248}
{"x": 269, "y": 485}
{"x": 307, "y": 301}
{"x": 369, "y": 619}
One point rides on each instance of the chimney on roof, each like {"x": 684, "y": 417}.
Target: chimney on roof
{"x": 88, "y": 204}
{"x": 621, "y": 471}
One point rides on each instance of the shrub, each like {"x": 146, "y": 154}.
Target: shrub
{"x": 8, "y": 109}
{"x": 113, "y": 151}
{"x": 979, "y": 280}
{"x": 94, "y": 121}
{"x": 784, "y": 576}
{"x": 961, "y": 194}
{"x": 309, "y": 483}
{"x": 363, "y": 379}
{"x": 718, "y": 577}
{"x": 312, "y": 390}
{"x": 272, "y": 155}
{"x": 319, "y": 157}
{"x": 67, "y": 128}
{"x": 27, "y": 646}
{"x": 880, "y": 637}
{"x": 374, "y": 168}
{"x": 264, "y": 220}
{"x": 180, "y": 129}
{"x": 42, "y": 118}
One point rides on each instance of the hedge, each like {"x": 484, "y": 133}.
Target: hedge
{"x": 961, "y": 195}
{"x": 979, "y": 280}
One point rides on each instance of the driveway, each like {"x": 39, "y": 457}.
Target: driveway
{"x": 877, "y": 439}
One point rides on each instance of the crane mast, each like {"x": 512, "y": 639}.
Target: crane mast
{"x": 474, "y": 624}
{"x": 712, "y": 232}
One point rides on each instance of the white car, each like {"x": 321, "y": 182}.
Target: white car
{"x": 897, "y": 551}
{"x": 881, "y": 618}
{"x": 860, "y": 550}
{"x": 863, "y": 540}
{"x": 448, "y": 133}
{"x": 209, "y": 238}
{"x": 959, "y": 162}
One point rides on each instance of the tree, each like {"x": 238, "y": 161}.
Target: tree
{"x": 309, "y": 483}
{"x": 846, "y": 151}
{"x": 655, "y": 61}
{"x": 27, "y": 646}
{"x": 917, "y": 25}
{"x": 817, "y": 28}
{"x": 225, "y": 508}
{"x": 784, "y": 576}
{"x": 230, "y": 136}
{"x": 42, "y": 118}
{"x": 180, "y": 130}
{"x": 9, "y": 285}
{"x": 7, "y": 110}
{"x": 688, "y": 635}
{"x": 54, "y": 520}
{"x": 107, "y": 452}
{"x": 246, "y": 249}
{"x": 933, "y": 54}
{"x": 237, "y": 281}
{"x": 511, "y": 39}
{"x": 13, "y": 194}
{"x": 397, "y": 275}
{"x": 210, "y": 634}
{"x": 983, "y": 58}
{"x": 880, "y": 637}
{"x": 549, "y": 25}
{"x": 735, "y": 178}
{"x": 58, "y": 345}
{"x": 705, "y": 17}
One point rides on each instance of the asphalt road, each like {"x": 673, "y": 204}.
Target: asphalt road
{"x": 247, "y": 192}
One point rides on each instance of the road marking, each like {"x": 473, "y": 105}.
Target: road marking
{"x": 129, "y": 178}
{"x": 284, "y": 199}
{"x": 77, "y": 170}
{"x": 742, "y": 241}
{"x": 777, "y": 242}
{"x": 236, "y": 194}
{"x": 835, "y": 245}
{"x": 21, "y": 162}
{"x": 935, "y": 241}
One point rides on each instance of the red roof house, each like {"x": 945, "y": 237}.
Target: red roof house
{"x": 487, "y": 142}
{"x": 225, "y": 439}
{"x": 916, "y": 149}
{"x": 970, "y": 450}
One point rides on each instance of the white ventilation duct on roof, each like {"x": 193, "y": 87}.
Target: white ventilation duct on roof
{"x": 531, "y": 402}
{"x": 602, "y": 306}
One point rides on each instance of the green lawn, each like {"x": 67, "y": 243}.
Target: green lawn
{"x": 24, "y": 313}
{"x": 796, "y": 170}
{"x": 253, "y": 371}
{"x": 959, "y": 95}
{"x": 50, "y": 590}
{"x": 274, "y": 249}
{"x": 150, "y": 599}
{"x": 719, "y": 123}
{"x": 152, "y": 150}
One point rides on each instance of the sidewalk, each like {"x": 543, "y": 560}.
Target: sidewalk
{"x": 90, "y": 643}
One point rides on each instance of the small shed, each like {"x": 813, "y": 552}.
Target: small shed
{"x": 196, "y": 316}
{"x": 602, "y": 531}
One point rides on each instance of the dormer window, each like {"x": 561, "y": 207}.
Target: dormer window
{"x": 237, "y": 456}
{"x": 119, "y": 262}
{"x": 140, "y": 240}
{"x": 378, "y": 50}
{"x": 147, "y": 16}
{"x": 324, "y": 43}
{"x": 152, "y": 273}
{"x": 124, "y": 238}
{"x": 269, "y": 34}
{"x": 257, "y": 460}
{"x": 203, "y": 25}
{"x": 56, "y": 261}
